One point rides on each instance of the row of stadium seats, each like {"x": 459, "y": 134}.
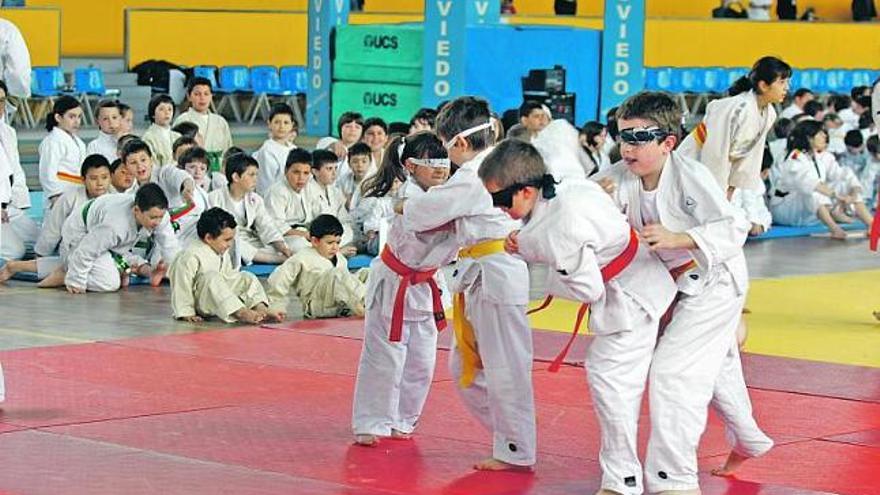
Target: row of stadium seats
{"x": 261, "y": 81}
{"x": 717, "y": 79}
{"x": 47, "y": 83}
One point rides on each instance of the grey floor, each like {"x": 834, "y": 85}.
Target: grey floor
{"x": 34, "y": 317}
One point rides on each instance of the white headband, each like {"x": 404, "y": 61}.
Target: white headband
{"x": 467, "y": 132}
{"x": 431, "y": 162}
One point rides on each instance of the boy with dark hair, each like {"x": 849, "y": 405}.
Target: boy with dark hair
{"x": 534, "y": 116}
{"x": 595, "y": 258}
{"x": 326, "y": 197}
{"x": 681, "y": 211}
{"x": 423, "y": 120}
{"x": 159, "y": 135}
{"x": 258, "y": 238}
{"x": 126, "y": 118}
{"x": 492, "y": 346}
{"x": 213, "y": 127}
{"x": 359, "y": 162}
{"x": 97, "y": 241}
{"x": 272, "y": 155}
{"x": 204, "y": 283}
{"x": 350, "y": 128}
{"x": 121, "y": 178}
{"x": 138, "y": 158}
{"x": 319, "y": 276}
{"x": 287, "y": 202}
{"x": 376, "y": 137}
{"x": 108, "y": 117}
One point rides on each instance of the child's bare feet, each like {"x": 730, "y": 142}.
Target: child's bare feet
{"x": 248, "y": 316}
{"x": 493, "y": 464}
{"x": 358, "y": 310}
{"x": 5, "y": 273}
{"x": 399, "y": 435}
{"x": 734, "y": 461}
{"x": 158, "y": 274}
{"x": 838, "y": 234}
{"x": 54, "y": 279}
{"x": 366, "y": 440}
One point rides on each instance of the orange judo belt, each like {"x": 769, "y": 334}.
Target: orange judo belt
{"x": 409, "y": 277}
{"x": 609, "y": 271}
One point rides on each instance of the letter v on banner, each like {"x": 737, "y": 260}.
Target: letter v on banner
{"x": 324, "y": 17}
{"x": 623, "y": 48}
{"x": 445, "y": 44}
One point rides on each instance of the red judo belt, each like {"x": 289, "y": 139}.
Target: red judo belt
{"x": 409, "y": 277}
{"x": 609, "y": 271}
{"x": 675, "y": 273}
{"x": 875, "y": 227}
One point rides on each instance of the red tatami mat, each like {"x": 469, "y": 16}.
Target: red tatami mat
{"x": 265, "y": 411}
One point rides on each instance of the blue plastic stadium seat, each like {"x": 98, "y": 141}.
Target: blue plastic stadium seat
{"x": 714, "y": 79}
{"x": 814, "y": 79}
{"x": 838, "y": 80}
{"x": 264, "y": 79}
{"x": 660, "y": 78}
{"x": 733, "y": 75}
{"x": 235, "y": 78}
{"x": 794, "y": 82}
{"x": 47, "y": 81}
{"x": 209, "y": 72}
{"x": 862, "y": 77}
{"x": 690, "y": 79}
{"x": 90, "y": 81}
{"x": 294, "y": 78}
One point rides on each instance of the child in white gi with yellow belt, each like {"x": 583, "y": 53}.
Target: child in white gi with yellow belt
{"x": 492, "y": 348}
{"x": 404, "y": 309}
{"x": 319, "y": 276}
{"x": 204, "y": 282}
{"x": 596, "y": 258}
{"x": 680, "y": 210}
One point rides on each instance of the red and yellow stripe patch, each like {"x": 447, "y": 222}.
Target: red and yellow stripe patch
{"x": 71, "y": 178}
{"x": 700, "y": 133}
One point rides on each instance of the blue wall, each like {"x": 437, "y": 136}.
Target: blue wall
{"x": 498, "y": 56}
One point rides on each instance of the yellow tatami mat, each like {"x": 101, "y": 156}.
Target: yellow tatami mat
{"x": 821, "y": 318}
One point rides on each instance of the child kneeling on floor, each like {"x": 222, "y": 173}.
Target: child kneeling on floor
{"x": 319, "y": 276}
{"x": 204, "y": 282}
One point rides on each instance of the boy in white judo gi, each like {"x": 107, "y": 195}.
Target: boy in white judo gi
{"x": 288, "y": 202}
{"x": 683, "y": 214}
{"x": 108, "y": 117}
{"x": 258, "y": 238}
{"x": 492, "y": 356}
{"x": 204, "y": 283}
{"x": 212, "y": 126}
{"x": 159, "y": 135}
{"x": 97, "y": 242}
{"x": 319, "y": 276}
{"x": 594, "y": 257}
{"x": 96, "y": 182}
{"x": 272, "y": 155}
{"x": 405, "y": 310}
{"x": 327, "y": 198}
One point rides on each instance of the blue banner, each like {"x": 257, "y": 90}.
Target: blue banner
{"x": 445, "y": 44}
{"x": 324, "y": 17}
{"x": 623, "y": 52}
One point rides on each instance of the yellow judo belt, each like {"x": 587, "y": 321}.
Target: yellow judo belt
{"x": 465, "y": 340}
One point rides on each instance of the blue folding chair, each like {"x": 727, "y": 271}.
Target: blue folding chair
{"x": 265, "y": 82}
{"x": 838, "y": 80}
{"x": 89, "y": 82}
{"x": 47, "y": 83}
{"x": 234, "y": 81}
{"x": 862, "y": 77}
{"x": 208, "y": 72}
{"x": 814, "y": 80}
{"x": 659, "y": 78}
{"x": 295, "y": 80}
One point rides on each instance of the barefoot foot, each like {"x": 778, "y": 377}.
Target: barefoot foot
{"x": 248, "y": 315}
{"x": 158, "y": 274}
{"x": 838, "y": 234}
{"x": 366, "y": 440}
{"x": 5, "y": 273}
{"x": 734, "y": 461}
{"x": 492, "y": 464}
{"x": 54, "y": 279}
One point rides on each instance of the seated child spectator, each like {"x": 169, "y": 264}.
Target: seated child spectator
{"x": 871, "y": 173}
{"x": 109, "y": 120}
{"x": 423, "y": 120}
{"x": 359, "y": 156}
{"x": 258, "y": 238}
{"x": 173, "y": 181}
{"x": 190, "y": 130}
{"x": 96, "y": 182}
{"x": 121, "y": 178}
{"x": 319, "y": 276}
{"x": 126, "y": 120}
{"x": 185, "y": 211}
{"x": 204, "y": 283}
{"x": 327, "y": 198}
{"x": 855, "y": 156}
{"x": 781, "y": 129}
{"x": 836, "y": 132}
{"x": 272, "y": 155}
{"x": 213, "y": 126}
{"x": 61, "y": 151}
{"x": 806, "y": 186}
{"x": 159, "y": 135}
{"x": 287, "y": 202}
{"x": 97, "y": 242}
{"x": 376, "y": 137}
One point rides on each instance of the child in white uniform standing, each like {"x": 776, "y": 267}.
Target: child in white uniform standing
{"x": 596, "y": 258}
{"x": 492, "y": 349}
{"x": 62, "y": 151}
{"x": 404, "y": 310}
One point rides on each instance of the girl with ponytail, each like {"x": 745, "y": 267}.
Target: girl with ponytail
{"x": 61, "y": 152}
{"x": 404, "y": 303}
{"x": 730, "y": 139}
